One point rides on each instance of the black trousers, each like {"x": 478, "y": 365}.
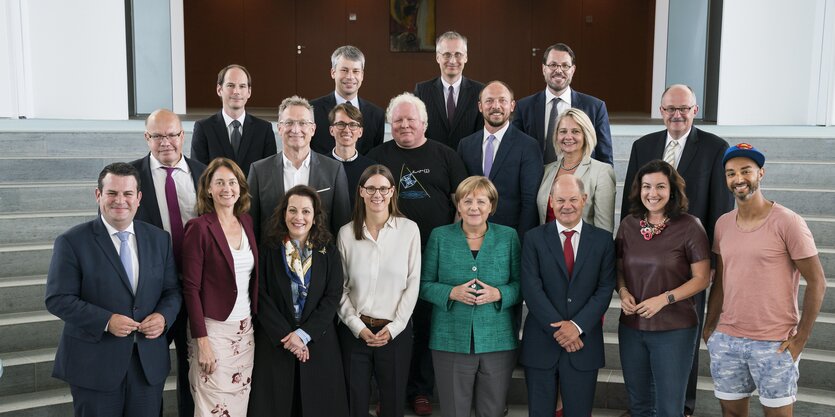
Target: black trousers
{"x": 690, "y": 395}
{"x": 389, "y": 364}
{"x": 421, "y": 372}
{"x": 178, "y": 333}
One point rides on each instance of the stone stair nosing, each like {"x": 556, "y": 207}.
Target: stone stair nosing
{"x": 37, "y": 197}
{"x": 25, "y": 259}
{"x": 24, "y": 227}
{"x": 19, "y": 294}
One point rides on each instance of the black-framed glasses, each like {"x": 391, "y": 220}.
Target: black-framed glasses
{"x": 158, "y": 138}
{"x": 553, "y": 66}
{"x": 352, "y": 126}
{"x": 672, "y": 110}
{"x": 373, "y": 190}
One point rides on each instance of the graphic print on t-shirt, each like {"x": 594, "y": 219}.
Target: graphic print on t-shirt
{"x": 410, "y": 187}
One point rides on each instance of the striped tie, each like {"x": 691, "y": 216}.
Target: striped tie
{"x": 670, "y": 153}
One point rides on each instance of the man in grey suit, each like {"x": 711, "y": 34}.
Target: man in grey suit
{"x": 295, "y": 165}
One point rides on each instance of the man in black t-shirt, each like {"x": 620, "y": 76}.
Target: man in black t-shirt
{"x": 427, "y": 174}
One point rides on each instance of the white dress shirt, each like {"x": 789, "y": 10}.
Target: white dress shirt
{"x": 563, "y": 105}
{"x": 499, "y": 135}
{"x": 294, "y": 176}
{"x": 339, "y": 100}
{"x": 117, "y": 243}
{"x": 186, "y": 195}
{"x": 679, "y": 150}
{"x": 243, "y": 262}
{"x": 228, "y": 121}
{"x": 382, "y": 277}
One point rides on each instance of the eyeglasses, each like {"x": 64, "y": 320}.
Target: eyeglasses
{"x": 672, "y": 110}
{"x": 384, "y": 191}
{"x": 159, "y": 138}
{"x": 300, "y": 123}
{"x": 351, "y": 126}
{"x": 448, "y": 55}
{"x": 553, "y": 66}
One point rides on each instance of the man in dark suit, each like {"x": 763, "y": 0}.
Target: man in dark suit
{"x": 536, "y": 114}
{"x": 697, "y": 156}
{"x": 295, "y": 165}
{"x": 511, "y": 159}
{"x": 232, "y": 133}
{"x": 168, "y": 181}
{"x": 451, "y": 99}
{"x": 568, "y": 274}
{"x": 347, "y": 71}
{"x": 113, "y": 282}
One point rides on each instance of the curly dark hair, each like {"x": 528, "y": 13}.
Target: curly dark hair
{"x": 277, "y": 230}
{"x": 678, "y": 203}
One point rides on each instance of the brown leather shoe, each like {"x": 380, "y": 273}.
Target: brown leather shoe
{"x": 422, "y": 406}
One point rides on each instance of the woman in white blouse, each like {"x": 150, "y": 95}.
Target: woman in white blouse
{"x": 381, "y": 262}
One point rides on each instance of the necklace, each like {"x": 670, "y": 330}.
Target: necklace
{"x": 564, "y": 168}
{"x": 474, "y": 238}
{"x": 649, "y": 230}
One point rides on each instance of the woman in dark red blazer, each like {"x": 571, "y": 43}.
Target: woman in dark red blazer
{"x": 220, "y": 291}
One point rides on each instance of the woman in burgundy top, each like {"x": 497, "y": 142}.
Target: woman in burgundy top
{"x": 663, "y": 258}
{"x": 220, "y": 290}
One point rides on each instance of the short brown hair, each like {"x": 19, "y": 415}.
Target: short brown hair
{"x": 353, "y": 113}
{"x": 277, "y": 227}
{"x": 359, "y": 207}
{"x": 678, "y": 199}
{"x": 204, "y": 200}
{"x": 478, "y": 182}
{"x": 222, "y": 74}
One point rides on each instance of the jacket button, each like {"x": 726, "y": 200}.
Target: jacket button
{"x": 569, "y": 300}
{"x": 475, "y": 268}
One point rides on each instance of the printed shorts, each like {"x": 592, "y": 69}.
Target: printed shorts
{"x": 739, "y": 366}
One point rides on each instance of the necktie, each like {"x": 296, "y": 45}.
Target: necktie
{"x": 550, "y": 153}
{"x": 349, "y": 104}
{"x": 670, "y": 153}
{"x": 450, "y": 105}
{"x": 488, "y": 155}
{"x": 236, "y": 136}
{"x": 124, "y": 256}
{"x": 568, "y": 251}
{"x": 174, "y": 214}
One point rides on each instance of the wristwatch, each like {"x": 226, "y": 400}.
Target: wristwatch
{"x": 670, "y": 298}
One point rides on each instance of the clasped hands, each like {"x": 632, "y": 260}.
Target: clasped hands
{"x": 567, "y": 335}
{"x": 379, "y": 339}
{"x": 467, "y": 293}
{"x": 646, "y": 309}
{"x": 296, "y": 346}
{"x": 122, "y": 326}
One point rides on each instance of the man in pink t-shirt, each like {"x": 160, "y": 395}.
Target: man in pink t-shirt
{"x": 752, "y": 329}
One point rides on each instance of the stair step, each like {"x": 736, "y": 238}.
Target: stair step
{"x": 19, "y": 294}
{"x": 51, "y": 169}
{"x": 21, "y": 228}
{"x": 29, "y": 197}
{"x": 30, "y": 330}
{"x": 81, "y": 144}
{"x": 24, "y": 260}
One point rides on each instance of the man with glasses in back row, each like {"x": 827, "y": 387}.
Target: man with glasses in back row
{"x": 346, "y": 127}
{"x": 537, "y": 114}
{"x": 296, "y": 165}
{"x": 168, "y": 182}
{"x": 697, "y": 156}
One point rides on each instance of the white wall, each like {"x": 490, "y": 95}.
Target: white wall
{"x": 9, "y": 58}
{"x": 74, "y": 55}
{"x": 771, "y": 69}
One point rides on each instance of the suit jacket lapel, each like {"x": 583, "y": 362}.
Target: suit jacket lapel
{"x": 220, "y": 238}
{"x": 552, "y": 239}
{"x": 689, "y": 152}
{"x": 279, "y": 175}
{"x": 283, "y": 280}
{"x": 149, "y": 196}
{"x": 505, "y": 147}
{"x": 465, "y": 96}
{"x": 246, "y": 138}
{"x": 106, "y": 245}
{"x": 222, "y": 134}
{"x": 539, "y": 116}
{"x": 584, "y": 166}
{"x": 582, "y": 250}
{"x": 317, "y": 283}
{"x": 440, "y": 104}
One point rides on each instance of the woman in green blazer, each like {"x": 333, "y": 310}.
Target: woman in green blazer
{"x": 470, "y": 274}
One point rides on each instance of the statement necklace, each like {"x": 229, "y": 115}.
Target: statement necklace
{"x": 565, "y": 168}
{"x": 649, "y": 230}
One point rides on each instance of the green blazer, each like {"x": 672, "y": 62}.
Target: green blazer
{"x": 448, "y": 262}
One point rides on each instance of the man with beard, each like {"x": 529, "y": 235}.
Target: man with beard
{"x": 697, "y": 156}
{"x": 451, "y": 98}
{"x": 538, "y": 113}
{"x": 511, "y": 159}
{"x": 752, "y": 329}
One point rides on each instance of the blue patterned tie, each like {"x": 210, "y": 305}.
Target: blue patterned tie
{"x": 124, "y": 256}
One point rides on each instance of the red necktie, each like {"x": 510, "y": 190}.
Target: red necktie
{"x": 568, "y": 252}
{"x": 174, "y": 214}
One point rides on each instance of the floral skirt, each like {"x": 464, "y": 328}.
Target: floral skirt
{"x": 224, "y": 393}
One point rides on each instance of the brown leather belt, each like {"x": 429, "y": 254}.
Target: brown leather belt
{"x": 372, "y": 322}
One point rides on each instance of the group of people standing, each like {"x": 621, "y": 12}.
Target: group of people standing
{"x": 305, "y": 273}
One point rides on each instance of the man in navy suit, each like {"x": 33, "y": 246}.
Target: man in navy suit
{"x": 697, "y": 156}
{"x": 511, "y": 159}
{"x": 568, "y": 274}
{"x": 113, "y": 282}
{"x": 451, "y": 99}
{"x": 347, "y": 71}
{"x": 536, "y": 114}
{"x": 168, "y": 181}
{"x": 232, "y": 132}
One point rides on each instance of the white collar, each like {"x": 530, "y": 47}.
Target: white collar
{"x": 455, "y": 86}
{"x": 578, "y": 228}
{"x": 499, "y": 133}
{"x": 182, "y": 165}
{"x": 566, "y": 96}
{"x": 289, "y": 164}
{"x": 112, "y": 230}
{"x": 228, "y": 119}
{"x": 339, "y": 100}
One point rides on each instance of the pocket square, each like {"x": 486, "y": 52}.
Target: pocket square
{"x": 323, "y": 190}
